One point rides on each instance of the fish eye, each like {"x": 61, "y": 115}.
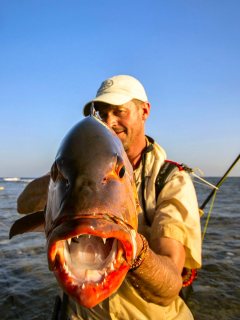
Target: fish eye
{"x": 121, "y": 172}
{"x": 120, "y": 168}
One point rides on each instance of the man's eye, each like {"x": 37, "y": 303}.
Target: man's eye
{"x": 120, "y": 112}
{"x": 102, "y": 115}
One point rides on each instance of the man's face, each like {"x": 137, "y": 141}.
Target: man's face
{"x": 126, "y": 120}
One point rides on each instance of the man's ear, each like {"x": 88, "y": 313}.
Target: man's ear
{"x": 146, "y": 110}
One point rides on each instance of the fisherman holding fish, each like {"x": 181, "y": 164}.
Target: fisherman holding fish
{"x": 168, "y": 238}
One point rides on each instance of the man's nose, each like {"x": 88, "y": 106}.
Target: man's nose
{"x": 110, "y": 119}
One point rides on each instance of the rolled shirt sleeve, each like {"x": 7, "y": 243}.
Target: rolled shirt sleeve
{"x": 177, "y": 216}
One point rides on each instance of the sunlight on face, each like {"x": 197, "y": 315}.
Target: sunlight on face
{"x": 126, "y": 120}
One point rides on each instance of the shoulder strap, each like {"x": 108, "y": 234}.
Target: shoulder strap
{"x": 166, "y": 169}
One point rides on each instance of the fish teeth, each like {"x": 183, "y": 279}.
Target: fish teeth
{"x": 92, "y": 275}
{"x": 69, "y": 241}
{"x": 104, "y": 240}
{"x": 133, "y": 233}
{"x": 83, "y": 286}
{"x": 112, "y": 266}
{"x": 133, "y": 236}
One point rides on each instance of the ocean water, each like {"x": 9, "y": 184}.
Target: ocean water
{"x": 28, "y": 288}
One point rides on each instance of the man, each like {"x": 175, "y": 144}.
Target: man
{"x": 170, "y": 224}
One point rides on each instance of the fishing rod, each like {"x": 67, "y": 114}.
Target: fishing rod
{"x": 186, "y": 291}
{"x": 219, "y": 183}
{"x": 213, "y": 195}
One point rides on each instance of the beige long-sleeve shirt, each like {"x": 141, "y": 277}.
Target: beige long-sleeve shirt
{"x": 174, "y": 215}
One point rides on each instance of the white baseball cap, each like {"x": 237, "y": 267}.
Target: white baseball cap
{"x": 118, "y": 90}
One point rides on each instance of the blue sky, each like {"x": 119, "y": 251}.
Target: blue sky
{"x": 55, "y": 54}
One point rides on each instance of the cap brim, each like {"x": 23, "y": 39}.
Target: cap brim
{"x": 115, "y": 99}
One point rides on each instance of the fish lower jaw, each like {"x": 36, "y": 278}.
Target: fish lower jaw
{"x": 91, "y": 286}
{"x": 90, "y": 264}
{"x": 95, "y": 287}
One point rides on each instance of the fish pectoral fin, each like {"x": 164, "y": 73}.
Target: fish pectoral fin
{"x": 29, "y": 223}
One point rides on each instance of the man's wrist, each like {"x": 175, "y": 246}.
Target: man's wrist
{"x": 141, "y": 255}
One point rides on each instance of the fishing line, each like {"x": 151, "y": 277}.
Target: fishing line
{"x": 209, "y": 214}
{"x": 200, "y": 183}
{"x": 213, "y": 196}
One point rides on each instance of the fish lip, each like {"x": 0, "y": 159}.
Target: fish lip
{"x": 100, "y": 225}
{"x": 91, "y": 293}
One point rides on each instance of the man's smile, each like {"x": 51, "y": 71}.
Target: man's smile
{"x": 119, "y": 131}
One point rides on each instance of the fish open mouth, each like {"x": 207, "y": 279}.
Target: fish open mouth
{"x": 89, "y": 258}
{"x": 92, "y": 263}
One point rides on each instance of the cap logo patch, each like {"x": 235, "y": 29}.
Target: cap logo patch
{"x": 105, "y": 85}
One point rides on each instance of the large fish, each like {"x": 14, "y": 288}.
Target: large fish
{"x": 90, "y": 219}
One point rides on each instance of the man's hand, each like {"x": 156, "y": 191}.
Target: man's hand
{"x": 158, "y": 279}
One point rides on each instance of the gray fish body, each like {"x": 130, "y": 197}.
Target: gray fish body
{"x": 90, "y": 219}
{"x": 88, "y": 161}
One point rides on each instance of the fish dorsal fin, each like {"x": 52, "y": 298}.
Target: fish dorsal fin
{"x": 94, "y": 112}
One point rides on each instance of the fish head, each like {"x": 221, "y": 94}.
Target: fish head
{"x": 91, "y": 213}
